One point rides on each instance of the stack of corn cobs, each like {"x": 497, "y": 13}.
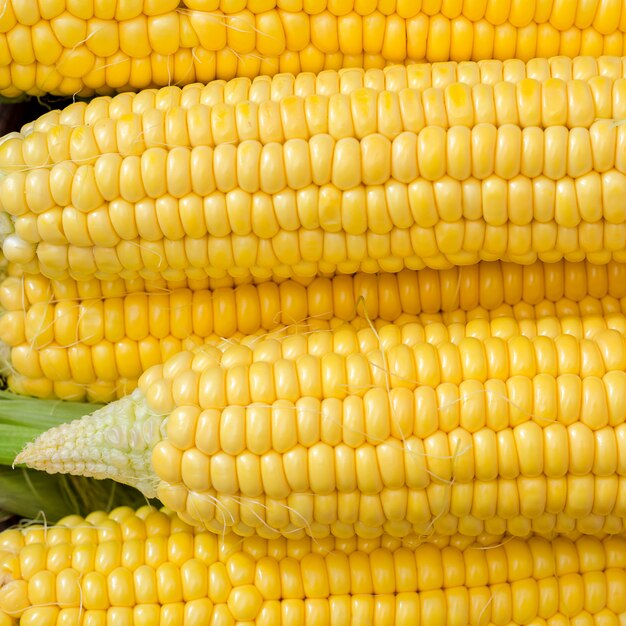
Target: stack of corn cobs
{"x": 358, "y": 320}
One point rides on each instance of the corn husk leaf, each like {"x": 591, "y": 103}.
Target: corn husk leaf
{"x": 31, "y": 494}
{"x": 22, "y": 419}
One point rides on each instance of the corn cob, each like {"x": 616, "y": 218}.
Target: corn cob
{"x": 76, "y": 49}
{"x": 368, "y": 180}
{"x": 94, "y": 339}
{"x": 386, "y": 434}
{"x": 147, "y": 568}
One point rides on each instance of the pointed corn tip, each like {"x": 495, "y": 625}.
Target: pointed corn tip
{"x": 114, "y": 442}
{"x": 27, "y": 456}
{"x": 24, "y": 457}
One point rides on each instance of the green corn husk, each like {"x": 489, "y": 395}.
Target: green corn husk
{"x": 30, "y": 494}
{"x": 22, "y": 419}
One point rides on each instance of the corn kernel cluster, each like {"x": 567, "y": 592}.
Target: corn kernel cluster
{"x": 77, "y": 48}
{"x": 366, "y": 432}
{"x": 147, "y": 568}
{"x": 366, "y": 322}
{"x": 94, "y": 339}
{"x": 369, "y": 179}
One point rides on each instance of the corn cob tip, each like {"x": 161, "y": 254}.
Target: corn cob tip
{"x": 114, "y": 442}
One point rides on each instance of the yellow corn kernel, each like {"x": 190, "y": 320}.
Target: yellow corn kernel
{"x": 279, "y": 577}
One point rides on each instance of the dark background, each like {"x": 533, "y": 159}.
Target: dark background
{"x": 13, "y": 116}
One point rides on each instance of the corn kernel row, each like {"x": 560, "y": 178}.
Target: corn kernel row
{"x": 367, "y": 357}
{"x": 102, "y": 202}
{"x": 338, "y": 222}
{"x": 41, "y": 311}
{"x": 68, "y": 50}
{"x": 340, "y": 106}
{"x": 363, "y": 111}
{"x": 306, "y": 253}
{"x": 486, "y": 285}
{"x": 561, "y": 16}
{"x": 184, "y": 315}
{"x": 141, "y": 569}
{"x": 497, "y": 509}
{"x": 597, "y": 73}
